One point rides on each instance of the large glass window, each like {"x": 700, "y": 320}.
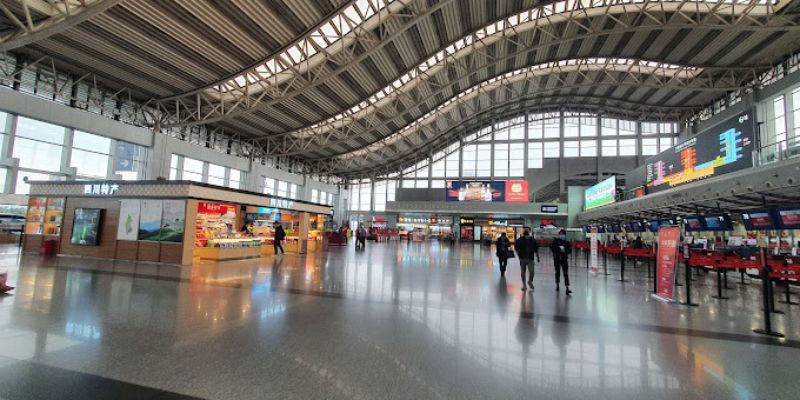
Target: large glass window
{"x": 627, "y": 128}
{"x": 779, "y": 122}
{"x": 649, "y": 146}
{"x": 22, "y": 187}
{"x": 216, "y": 174}
{"x": 484, "y": 160}
{"x": 192, "y": 170}
{"x": 627, "y": 147}
{"x": 535, "y": 155}
{"x": 501, "y": 159}
{"x": 535, "y": 127}
{"x": 380, "y": 196}
{"x": 796, "y": 113}
{"x": 609, "y": 147}
{"x": 173, "y": 167}
{"x": 516, "y": 160}
{"x": 365, "y": 196}
{"x": 235, "y": 179}
{"x": 552, "y": 126}
{"x": 270, "y": 186}
{"x": 571, "y": 148}
{"x": 453, "y": 164}
{"x": 38, "y": 145}
{"x": 470, "y": 153}
{"x": 588, "y": 148}
{"x": 609, "y": 127}
{"x": 552, "y": 149}
{"x": 589, "y": 127}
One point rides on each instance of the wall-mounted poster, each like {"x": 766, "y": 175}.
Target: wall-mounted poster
{"x": 172, "y": 221}
{"x": 128, "y": 227}
{"x": 86, "y": 226}
{"x": 150, "y": 220}
{"x": 516, "y": 191}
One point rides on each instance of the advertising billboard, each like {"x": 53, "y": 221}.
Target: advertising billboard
{"x": 516, "y": 191}
{"x": 601, "y": 194}
{"x": 725, "y": 148}
{"x": 488, "y": 191}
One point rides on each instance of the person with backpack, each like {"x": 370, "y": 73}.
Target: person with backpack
{"x": 561, "y": 251}
{"x": 527, "y": 249}
{"x": 502, "y": 247}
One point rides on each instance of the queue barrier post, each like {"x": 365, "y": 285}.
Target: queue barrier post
{"x": 688, "y": 279}
{"x": 719, "y": 285}
{"x": 788, "y": 293}
{"x": 652, "y": 260}
{"x": 622, "y": 268}
{"x": 765, "y": 290}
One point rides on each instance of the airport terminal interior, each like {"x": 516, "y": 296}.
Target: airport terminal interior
{"x": 399, "y": 199}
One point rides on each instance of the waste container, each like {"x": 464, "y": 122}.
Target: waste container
{"x": 48, "y": 248}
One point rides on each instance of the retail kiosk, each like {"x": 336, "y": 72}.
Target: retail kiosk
{"x": 174, "y": 222}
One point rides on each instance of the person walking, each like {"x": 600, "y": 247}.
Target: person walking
{"x": 280, "y": 234}
{"x": 502, "y": 247}
{"x": 361, "y": 237}
{"x": 561, "y": 251}
{"x": 527, "y": 249}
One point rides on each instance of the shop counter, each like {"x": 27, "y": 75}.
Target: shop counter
{"x": 229, "y": 249}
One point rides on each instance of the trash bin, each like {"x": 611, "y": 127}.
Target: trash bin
{"x": 48, "y": 248}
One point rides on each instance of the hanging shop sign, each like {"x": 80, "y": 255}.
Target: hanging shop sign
{"x": 467, "y": 221}
{"x": 724, "y": 148}
{"x": 100, "y": 189}
{"x": 281, "y": 203}
{"x": 549, "y": 209}
{"x": 216, "y": 208}
{"x": 668, "y": 237}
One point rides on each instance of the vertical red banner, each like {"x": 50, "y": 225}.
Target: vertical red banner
{"x": 593, "y": 249}
{"x": 667, "y": 259}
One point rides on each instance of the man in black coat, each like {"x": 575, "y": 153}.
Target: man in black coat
{"x": 280, "y": 234}
{"x": 561, "y": 251}
{"x": 527, "y": 249}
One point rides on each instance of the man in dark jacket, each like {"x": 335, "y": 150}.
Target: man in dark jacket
{"x": 527, "y": 249}
{"x": 561, "y": 250}
{"x": 280, "y": 234}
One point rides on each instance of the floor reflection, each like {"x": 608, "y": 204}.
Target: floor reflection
{"x": 432, "y": 316}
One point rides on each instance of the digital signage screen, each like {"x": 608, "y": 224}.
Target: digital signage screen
{"x": 717, "y": 222}
{"x": 724, "y": 148}
{"x": 601, "y": 194}
{"x": 692, "y": 224}
{"x": 759, "y": 220}
{"x": 488, "y": 191}
{"x": 789, "y": 218}
{"x": 86, "y": 226}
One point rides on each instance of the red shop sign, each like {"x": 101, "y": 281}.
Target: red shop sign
{"x": 215, "y": 208}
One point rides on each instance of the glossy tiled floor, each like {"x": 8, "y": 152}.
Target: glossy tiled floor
{"x": 397, "y": 321}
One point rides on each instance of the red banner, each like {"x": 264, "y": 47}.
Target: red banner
{"x": 215, "y": 208}
{"x": 667, "y": 258}
{"x": 517, "y": 192}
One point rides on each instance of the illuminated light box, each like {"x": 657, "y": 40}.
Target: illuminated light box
{"x": 601, "y": 194}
